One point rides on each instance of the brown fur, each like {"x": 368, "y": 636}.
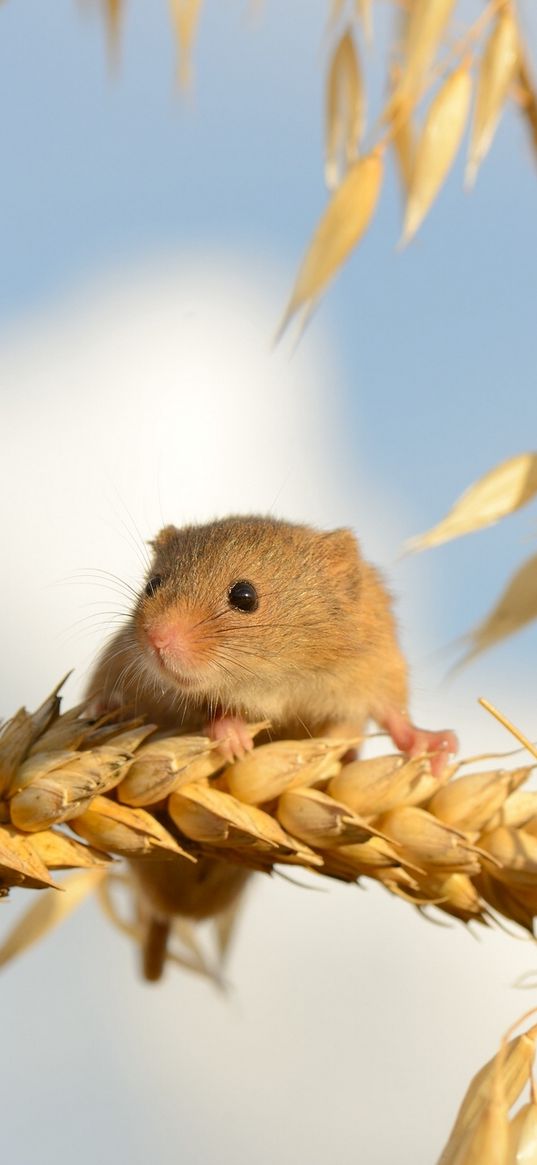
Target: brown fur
{"x": 319, "y": 654}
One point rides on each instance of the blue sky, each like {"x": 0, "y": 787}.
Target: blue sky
{"x": 436, "y": 345}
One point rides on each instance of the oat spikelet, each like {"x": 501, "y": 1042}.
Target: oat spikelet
{"x": 424, "y": 24}
{"x": 528, "y": 101}
{"x": 500, "y": 62}
{"x": 113, "y": 18}
{"x": 364, "y": 13}
{"x": 516, "y": 607}
{"x": 185, "y": 16}
{"x": 437, "y": 147}
{"x": 501, "y": 491}
{"x": 340, "y": 229}
{"x": 345, "y": 110}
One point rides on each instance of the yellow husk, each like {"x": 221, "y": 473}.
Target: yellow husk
{"x": 499, "y": 492}
{"x": 65, "y": 792}
{"x": 271, "y": 768}
{"x": 515, "y": 851}
{"x": 437, "y": 147}
{"x": 340, "y": 229}
{"x": 163, "y": 765}
{"x": 48, "y": 912}
{"x": 20, "y": 863}
{"x": 185, "y": 16}
{"x": 509, "y": 1071}
{"x": 319, "y": 820}
{"x": 421, "y": 839}
{"x": 528, "y": 101}
{"x": 371, "y": 787}
{"x": 207, "y": 815}
{"x": 364, "y": 12}
{"x": 499, "y": 65}
{"x": 124, "y": 831}
{"x": 516, "y": 607}
{"x": 487, "y": 1140}
{"x": 470, "y": 802}
{"x": 345, "y": 110}
{"x": 518, "y": 809}
{"x": 522, "y": 1137}
{"x": 60, "y": 852}
{"x": 404, "y": 147}
{"x": 426, "y": 23}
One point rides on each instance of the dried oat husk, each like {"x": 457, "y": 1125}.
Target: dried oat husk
{"x": 427, "y": 51}
{"x": 80, "y": 795}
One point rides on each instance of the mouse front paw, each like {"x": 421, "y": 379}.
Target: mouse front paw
{"x": 438, "y": 746}
{"x": 233, "y": 736}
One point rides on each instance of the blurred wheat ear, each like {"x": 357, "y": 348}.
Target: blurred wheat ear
{"x": 486, "y": 1131}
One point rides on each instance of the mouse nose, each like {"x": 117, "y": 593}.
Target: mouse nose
{"x": 171, "y": 636}
{"x": 160, "y": 636}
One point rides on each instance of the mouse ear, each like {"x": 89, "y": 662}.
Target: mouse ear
{"x": 342, "y": 560}
{"x": 163, "y": 536}
{"x": 343, "y": 544}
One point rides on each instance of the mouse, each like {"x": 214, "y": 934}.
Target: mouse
{"x": 253, "y": 618}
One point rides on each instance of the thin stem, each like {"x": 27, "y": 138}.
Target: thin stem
{"x": 507, "y": 724}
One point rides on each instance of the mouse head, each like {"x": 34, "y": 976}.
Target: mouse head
{"x": 244, "y": 603}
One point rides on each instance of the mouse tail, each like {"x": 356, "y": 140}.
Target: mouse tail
{"x": 154, "y": 949}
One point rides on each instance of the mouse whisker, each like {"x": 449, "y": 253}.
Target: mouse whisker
{"x": 102, "y": 616}
{"x": 105, "y": 602}
{"x": 128, "y": 671}
{"x": 210, "y": 618}
{"x": 240, "y": 647}
{"x": 220, "y": 667}
{"x": 118, "y": 653}
{"x": 76, "y": 634}
{"x": 114, "y": 589}
{"x": 240, "y": 668}
{"x": 307, "y": 730}
{"x": 183, "y": 706}
{"x": 245, "y": 629}
{"x": 133, "y": 536}
{"x": 141, "y": 676}
{"x": 98, "y": 576}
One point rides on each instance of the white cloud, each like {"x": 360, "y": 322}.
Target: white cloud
{"x": 156, "y": 397}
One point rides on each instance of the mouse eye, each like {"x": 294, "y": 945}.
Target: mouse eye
{"x": 243, "y": 596}
{"x": 153, "y": 585}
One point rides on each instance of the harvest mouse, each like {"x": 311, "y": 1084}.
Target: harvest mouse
{"x": 252, "y": 618}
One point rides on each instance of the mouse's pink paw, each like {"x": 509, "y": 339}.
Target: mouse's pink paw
{"x": 439, "y": 746}
{"x": 233, "y": 736}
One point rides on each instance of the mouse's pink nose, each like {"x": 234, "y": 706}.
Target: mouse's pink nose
{"x": 160, "y": 636}
{"x": 172, "y": 637}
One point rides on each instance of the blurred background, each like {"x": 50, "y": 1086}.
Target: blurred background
{"x": 149, "y": 241}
